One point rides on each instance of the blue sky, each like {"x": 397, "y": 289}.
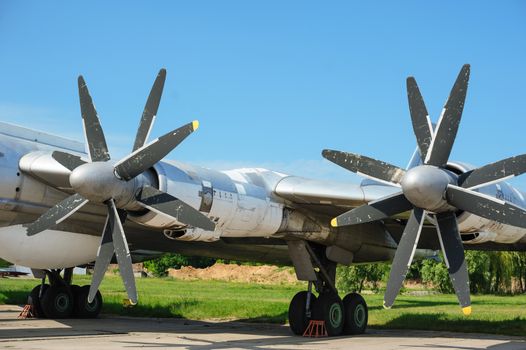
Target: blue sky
{"x": 272, "y": 82}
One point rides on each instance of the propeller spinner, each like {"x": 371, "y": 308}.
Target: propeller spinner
{"x": 431, "y": 189}
{"x": 117, "y": 185}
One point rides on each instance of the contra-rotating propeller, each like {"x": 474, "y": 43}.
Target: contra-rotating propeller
{"x": 431, "y": 189}
{"x": 120, "y": 186}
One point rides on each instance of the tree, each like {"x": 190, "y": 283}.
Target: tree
{"x": 489, "y": 272}
{"x": 519, "y": 270}
{"x": 501, "y": 269}
{"x": 479, "y": 271}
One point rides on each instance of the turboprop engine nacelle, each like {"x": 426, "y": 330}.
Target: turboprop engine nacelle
{"x": 238, "y": 201}
{"x": 476, "y": 229}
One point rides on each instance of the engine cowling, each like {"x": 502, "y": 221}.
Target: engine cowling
{"x": 477, "y": 230}
{"x": 238, "y": 201}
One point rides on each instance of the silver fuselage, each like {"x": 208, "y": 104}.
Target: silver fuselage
{"x": 244, "y": 203}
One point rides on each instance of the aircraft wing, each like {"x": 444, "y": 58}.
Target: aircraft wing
{"x": 329, "y": 197}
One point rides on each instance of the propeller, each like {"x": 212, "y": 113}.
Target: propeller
{"x": 431, "y": 189}
{"x": 120, "y": 186}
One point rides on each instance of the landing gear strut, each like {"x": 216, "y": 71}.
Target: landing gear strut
{"x": 348, "y": 316}
{"x": 61, "y": 299}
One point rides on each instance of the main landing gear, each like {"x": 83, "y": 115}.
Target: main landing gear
{"x": 61, "y": 299}
{"x": 348, "y": 316}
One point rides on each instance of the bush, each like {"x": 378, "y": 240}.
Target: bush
{"x": 159, "y": 266}
{"x": 436, "y": 273}
{"x": 355, "y": 277}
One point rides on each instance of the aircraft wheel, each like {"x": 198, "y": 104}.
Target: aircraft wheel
{"x": 34, "y": 300}
{"x": 57, "y": 302}
{"x": 356, "y": 314}
{"x": 81, "y": 307}
{"x": 329, "y": 308}
{"x": 298, "y": 320}
{"x": 74, "y": 288}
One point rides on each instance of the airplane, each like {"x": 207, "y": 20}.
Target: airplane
{"x": 65, "y": 204}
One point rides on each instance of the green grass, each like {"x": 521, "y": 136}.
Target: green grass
{"x": 269, "y": 303}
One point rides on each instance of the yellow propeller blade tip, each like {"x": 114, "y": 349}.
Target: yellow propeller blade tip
{"x": 334, "y": 222}
{"x": 466, "y": 310}
{"x": 386, "y": 307}
{"x": 195, "y": 124}
{"x": 128, "y": 303}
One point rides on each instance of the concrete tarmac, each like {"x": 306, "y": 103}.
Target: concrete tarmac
{"x": 129, "y": 333}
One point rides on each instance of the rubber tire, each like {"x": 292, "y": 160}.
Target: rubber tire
{"x": 57, "y": 302}
{"x": 356, "y": 314}
{"x": 74, "y": 289}
{"x": 329, "y": 308}
{"x": 298, "y": 321}
{"x": 34, "y": 301}
{"x": 81, "y": 307}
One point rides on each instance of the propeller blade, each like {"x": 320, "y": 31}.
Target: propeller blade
{"x": 453, "y": 250}
{"x": 67, "y": 160}
{"x": 421, "y": 123}
{"x": 56, "y": 214}
{"x": 486, "y": 206}
{"x": 166, "y": 204}
{"x": 366, "y": 166}
{"x": 146, "y": 156}
{"x": 122, "y": 252}
{"x": 150, "y": 110}
{"x": 377, "y": 210}
{"x": 404, "y": 256}
{"x": 104, "y": 255}
{"x": 447, "y": 127}
{"x": 494, "y": 172}
{"x": 97, "y": 148}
